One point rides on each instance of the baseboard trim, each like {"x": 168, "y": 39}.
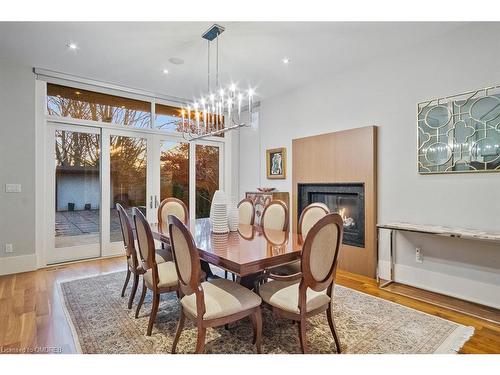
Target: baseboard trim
{"x": 453, "y": 286}
{"x": 18, "y": 264}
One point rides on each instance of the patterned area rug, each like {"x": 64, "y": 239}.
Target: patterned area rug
{"x": 102, "y": 324}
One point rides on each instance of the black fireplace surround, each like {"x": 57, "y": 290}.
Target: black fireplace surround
{"x": 347, "y": 199}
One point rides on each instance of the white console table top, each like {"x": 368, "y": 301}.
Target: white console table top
{"x": 472, "y": 234}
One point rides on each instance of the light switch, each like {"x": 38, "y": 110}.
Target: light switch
{"x": 12, "y": 188}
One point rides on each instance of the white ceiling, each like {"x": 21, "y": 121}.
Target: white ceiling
{"x": 135, "y": 54}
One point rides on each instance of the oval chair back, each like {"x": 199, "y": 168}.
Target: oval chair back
{"x": 320, "y": 255}
{"x": 275, "y": 216}
{"x": 128, "y": 236}
{"x": 175, "y": 207}
{"x": 145, "y": 244}
{"x": 246, "y": 211}
{"x": 310, "y": 216}
{"x": 187, "y": 261}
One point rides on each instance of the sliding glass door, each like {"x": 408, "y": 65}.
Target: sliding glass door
{"x": 91, "y": 169}
{"x": 74, "y": 200}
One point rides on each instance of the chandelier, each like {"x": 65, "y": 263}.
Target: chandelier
{"x": 219, "y": 110}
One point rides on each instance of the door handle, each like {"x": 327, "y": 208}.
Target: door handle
{"x": 151, "y": 202}
{"x": 156, "y": 201}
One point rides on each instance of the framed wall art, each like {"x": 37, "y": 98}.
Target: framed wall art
{"x": 276, "y": 163}
{"x": 460, "y": 133}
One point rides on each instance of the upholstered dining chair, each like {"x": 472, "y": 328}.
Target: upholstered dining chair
{"x": 246, "y": 211}
{"x": 172, "y": 206}
{"x": 133, "y": 265}
{"x": 275, "y": 216}
{"x": 309, "y": 292}
{"x": 210, "y": 303}
{"x": 309, "y": 216}
{"x": 159, "y": 278}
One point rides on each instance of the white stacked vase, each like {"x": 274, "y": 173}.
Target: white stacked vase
{"x": 218, "y": 213}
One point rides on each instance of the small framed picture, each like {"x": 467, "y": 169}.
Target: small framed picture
{"x": 276, "y": 163}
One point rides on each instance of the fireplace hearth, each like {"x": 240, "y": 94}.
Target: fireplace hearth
{"x": 346, "y": 199}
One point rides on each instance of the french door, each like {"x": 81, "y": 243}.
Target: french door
{"x": 74, "y": 196}
{"x": 91, "y": 169}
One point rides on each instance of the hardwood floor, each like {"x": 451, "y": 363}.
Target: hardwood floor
{"x": 32, "y": 318}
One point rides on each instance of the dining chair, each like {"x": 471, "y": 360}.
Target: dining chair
{"x": 309, "y": 292}
{"x": 172, "y": 206}
{"x": 210, "y": 303}
{"x": 246, "y": 211}
{"x": 275, "y": 216}
{"x": 158, "y": 277}
{"x": 309, "y": 216}
{"x": 133, "y": 265}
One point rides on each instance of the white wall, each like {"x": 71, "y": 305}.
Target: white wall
{"x": 17, "y": 160}
{"x": 384, "y": 92}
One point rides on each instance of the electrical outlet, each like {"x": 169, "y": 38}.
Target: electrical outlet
{"x": 12, "y": 188}
{"x": 9, "y": 248}
{"x": 419, "y": 256}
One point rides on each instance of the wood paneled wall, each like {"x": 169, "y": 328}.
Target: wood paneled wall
{"x": 344, "y": 156}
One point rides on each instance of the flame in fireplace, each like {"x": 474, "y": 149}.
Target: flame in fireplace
{"x": 342, "y": 214}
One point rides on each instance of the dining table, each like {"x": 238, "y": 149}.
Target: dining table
{"x": 246, "y": 252}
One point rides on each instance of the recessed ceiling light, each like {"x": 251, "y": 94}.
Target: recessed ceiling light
{"x": 165, "y": 71}
{"x": 176, "y": 60}
{"x": 285, "y": 60}
{"x": 72, "y": 46}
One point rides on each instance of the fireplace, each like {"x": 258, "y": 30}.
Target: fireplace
{"x": 346, "y": 199}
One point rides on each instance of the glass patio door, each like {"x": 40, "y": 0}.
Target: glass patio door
{"x": 127, "y": 180}
{"x": 91, "y": 169}
{"x": 191, "y": 172}
{"x": 74, "y": 194}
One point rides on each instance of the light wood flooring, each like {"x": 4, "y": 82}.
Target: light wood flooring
{"x": 32, "y": 317}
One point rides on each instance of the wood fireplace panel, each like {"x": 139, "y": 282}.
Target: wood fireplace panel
{"x": 348, "y": 156}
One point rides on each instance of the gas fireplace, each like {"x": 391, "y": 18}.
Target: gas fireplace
{"x": 347, "y": 199}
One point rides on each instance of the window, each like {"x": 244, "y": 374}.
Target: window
{"x": 66, "y": 101}
{"x": 207, "y": 178}
{"x": 174, "y": 170}
{"x": 128, "y": 168}
{"x": 167, "y": 118}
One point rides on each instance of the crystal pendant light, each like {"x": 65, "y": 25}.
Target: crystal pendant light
{"x": 219, "y": 110}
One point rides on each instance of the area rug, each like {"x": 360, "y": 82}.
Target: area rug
{"x": 102, "y": 323}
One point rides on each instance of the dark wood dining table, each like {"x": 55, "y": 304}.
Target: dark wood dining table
{"x": 246, "y": 252}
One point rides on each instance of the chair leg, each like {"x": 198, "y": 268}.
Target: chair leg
{"x": 332, "y": 327}
{"x": 225, "y": 274}
{"x": 127, "y": 278}
{"x": 257, "y": 329}
{"x": 302, "y": 335}
{"x": 134, "y": 290}
{"x": 141, "y": 300}
{"x": 200, "y": 342}
{"x": 234, "y": 277}
{"x": 180, "y": 327}
{"x": 154, "y": 310}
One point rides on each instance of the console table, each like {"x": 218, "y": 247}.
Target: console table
{"x": 470, "y": 234}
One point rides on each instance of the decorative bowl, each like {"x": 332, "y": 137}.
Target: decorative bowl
{"x": 265, "y": 189}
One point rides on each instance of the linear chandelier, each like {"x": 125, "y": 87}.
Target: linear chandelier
{"x": 219, "y": 110}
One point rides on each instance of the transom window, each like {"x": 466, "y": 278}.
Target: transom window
{"x": 71, "y": 102}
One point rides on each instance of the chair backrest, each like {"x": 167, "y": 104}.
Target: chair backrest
{"x": 145, "y": 243}
{"x": 275, "y": 216}
{"x": 128, "y": 235}
{"x": 310, "y": 216}
{"x": 187, "y": 261}
{"x": 246, "y": 211}
{"x": 320, "y": 253}
{"x": 173, "y": 206}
